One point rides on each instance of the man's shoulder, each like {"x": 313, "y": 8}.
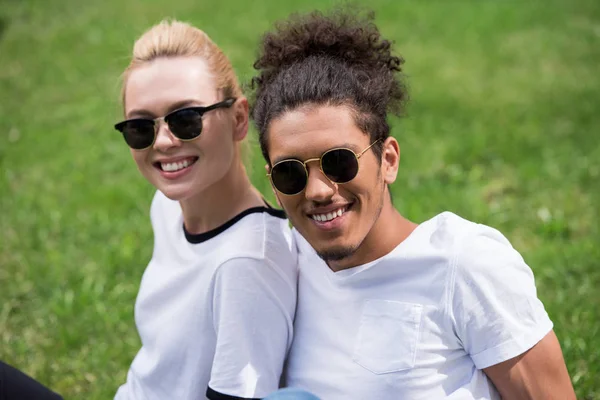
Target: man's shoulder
{"x": 451, "y": 231}
{"x": 474, "y": 251}
{"x": 462, "y": 245}
{"x": 445, "y": 232}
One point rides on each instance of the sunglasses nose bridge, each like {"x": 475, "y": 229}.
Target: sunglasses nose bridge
{"x": 163, "y": 137}
{"x": 318, "y": 185}
{"x": 158, "y": 122}
{"x": 307, "y": 167}
{"x": 311, "y": 160}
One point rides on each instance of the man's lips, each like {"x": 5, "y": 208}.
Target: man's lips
{"x": 329, "y": 213}
{"x": 327, "y": 209}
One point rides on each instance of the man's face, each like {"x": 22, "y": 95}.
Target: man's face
{"x": 307, "y": 133}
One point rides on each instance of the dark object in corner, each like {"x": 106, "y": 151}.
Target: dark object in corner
{"x": 15, "y": 385}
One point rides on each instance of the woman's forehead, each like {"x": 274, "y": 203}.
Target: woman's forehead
{"x": 157, "y": 85}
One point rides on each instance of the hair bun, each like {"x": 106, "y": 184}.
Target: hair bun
{"x": 334, "y": 59}
{"x": 353, "y": 39}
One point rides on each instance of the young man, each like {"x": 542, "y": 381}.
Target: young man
{"x": 387, "y": 308}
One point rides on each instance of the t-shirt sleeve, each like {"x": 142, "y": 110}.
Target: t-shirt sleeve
{"x": 253, "y": 311}
{"x": 497, "y": 313}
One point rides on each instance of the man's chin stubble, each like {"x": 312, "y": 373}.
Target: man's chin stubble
{"x": 336, "y": 254}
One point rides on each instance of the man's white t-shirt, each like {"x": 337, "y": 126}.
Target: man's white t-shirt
{"x": 419, "y": 323}
{"x": 215, "y": 310}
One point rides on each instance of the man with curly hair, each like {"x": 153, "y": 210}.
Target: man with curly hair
{"x": 387, "y": 308}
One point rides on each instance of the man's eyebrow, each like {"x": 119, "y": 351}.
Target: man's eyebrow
{"x": 279, "y": 159}
{"x": 340, "y": 146}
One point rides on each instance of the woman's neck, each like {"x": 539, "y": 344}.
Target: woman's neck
{"x": 220, "y": 202}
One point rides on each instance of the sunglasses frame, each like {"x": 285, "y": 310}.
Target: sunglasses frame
{"x": 227, "y": 103}
{"x": 320, "y": 159}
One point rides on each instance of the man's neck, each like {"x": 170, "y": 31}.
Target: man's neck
{"x": 390, "y": 229}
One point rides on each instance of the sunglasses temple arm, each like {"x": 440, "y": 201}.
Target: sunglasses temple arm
{"x": 365, "y": 150}
{"x": 225, "y": 103}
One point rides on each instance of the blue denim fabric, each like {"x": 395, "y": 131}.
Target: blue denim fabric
{"x": 291, "y": 394}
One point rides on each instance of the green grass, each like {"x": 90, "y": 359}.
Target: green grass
{"x": 503, "y": 128}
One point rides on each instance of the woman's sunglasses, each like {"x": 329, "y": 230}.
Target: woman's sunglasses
{"x": 185, "y": 124}
{"x": 339, "y": 165}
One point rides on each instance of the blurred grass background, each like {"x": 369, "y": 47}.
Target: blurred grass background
{"x": 503, "y": 128}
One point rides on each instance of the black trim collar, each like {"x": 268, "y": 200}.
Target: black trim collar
{"x": 196, "y": 238}
{"x": 214, "y": 395}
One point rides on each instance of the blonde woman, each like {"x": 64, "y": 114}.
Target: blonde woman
{"x": 216, "y": 303}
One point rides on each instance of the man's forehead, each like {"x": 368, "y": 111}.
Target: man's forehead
{"x": 308, "y": 132}
{"x": 313, "y": 117}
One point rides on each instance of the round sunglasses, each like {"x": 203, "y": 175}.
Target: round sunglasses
{"x": 339, "y": 165}
{"x": 185, "y": 124}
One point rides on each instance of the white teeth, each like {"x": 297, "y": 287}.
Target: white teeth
{"x": 176, "y": 166}
{"x": 329, "y": 216}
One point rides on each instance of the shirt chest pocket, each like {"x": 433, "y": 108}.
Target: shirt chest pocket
{"x": 388, "y": 336}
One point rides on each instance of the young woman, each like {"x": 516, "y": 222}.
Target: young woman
{"x": 217, "y": 300}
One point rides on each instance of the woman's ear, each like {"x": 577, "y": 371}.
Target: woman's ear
{"x": 241, "y": 119}
{"x": 390, "y": 160}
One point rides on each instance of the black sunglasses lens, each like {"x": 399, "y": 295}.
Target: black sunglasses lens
{"x": 289, "y": 177}
{"x": 185, "y": 124}
{"x": 139, "y": 134}
{"x": 340, "y": 165}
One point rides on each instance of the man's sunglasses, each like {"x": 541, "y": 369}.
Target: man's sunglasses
{"x": 339, "y": 165}
{"x": 185, "y": 124}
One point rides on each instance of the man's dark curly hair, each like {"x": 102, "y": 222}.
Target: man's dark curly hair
{"x": 337, "y": 58}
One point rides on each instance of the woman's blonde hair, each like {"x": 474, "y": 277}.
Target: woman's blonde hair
{"x": 171, "y": 38}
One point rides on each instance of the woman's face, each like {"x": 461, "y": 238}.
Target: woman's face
{"x": 181, "y": 169}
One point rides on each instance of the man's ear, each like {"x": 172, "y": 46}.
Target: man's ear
{"x": 390, "y": 160}
{"x": 241, "y": 119}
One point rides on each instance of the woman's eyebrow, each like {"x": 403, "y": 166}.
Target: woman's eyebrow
{"x": 142, "y": 113}
{"x": 184, "y": 104}
{"x": 139, "y": 113}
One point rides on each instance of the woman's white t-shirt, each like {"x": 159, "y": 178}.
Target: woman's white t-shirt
{"x": 215, "y": 310}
